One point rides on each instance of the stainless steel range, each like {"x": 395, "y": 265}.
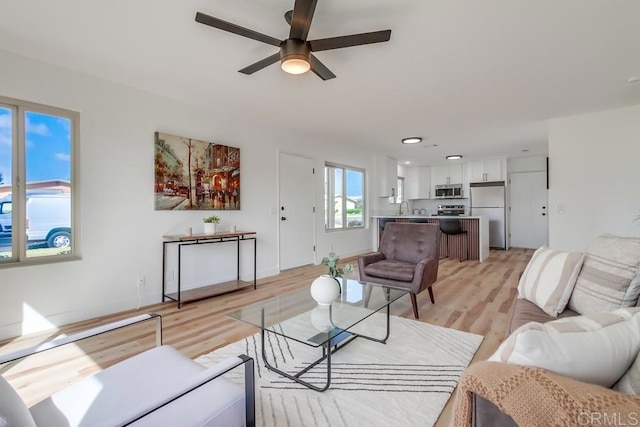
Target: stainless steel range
{"x": 450, "y": 210}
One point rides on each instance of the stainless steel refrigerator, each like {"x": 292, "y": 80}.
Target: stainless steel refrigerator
{"x": 488, "y": 199}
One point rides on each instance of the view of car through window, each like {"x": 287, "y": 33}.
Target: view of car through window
{"x": 45, "y": 225}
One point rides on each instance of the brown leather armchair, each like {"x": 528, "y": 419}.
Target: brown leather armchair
{"x": 407, "y": 258}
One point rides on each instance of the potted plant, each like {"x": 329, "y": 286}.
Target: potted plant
{"x": 326, "y": 288}
{"x": 210, "y": 224}
{"x": 334, "y": 270}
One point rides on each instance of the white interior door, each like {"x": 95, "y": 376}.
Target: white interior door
{"x": 296, "y": 211}
{"x": 529, "y": 210}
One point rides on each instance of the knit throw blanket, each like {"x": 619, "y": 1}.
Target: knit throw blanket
{"x": 536, "y": 397}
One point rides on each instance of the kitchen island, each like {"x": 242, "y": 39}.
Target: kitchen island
{"x": 477, "y": 228}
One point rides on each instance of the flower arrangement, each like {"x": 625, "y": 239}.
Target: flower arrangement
{"x": 334, "y": 270}
{"x": 211, "y": 219}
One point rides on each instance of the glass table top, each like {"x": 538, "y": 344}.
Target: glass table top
{"x": 297, "y": 316}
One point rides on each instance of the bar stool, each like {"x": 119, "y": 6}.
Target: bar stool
{"x": 453, "y": 227}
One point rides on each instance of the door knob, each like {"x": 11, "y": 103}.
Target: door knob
{"x": 283, "y": 218}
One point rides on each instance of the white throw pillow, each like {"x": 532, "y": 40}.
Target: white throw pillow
{"x": 13, "y": 411}
{"x": 630, "y": 381}
{"x": 549, "y": 279}
{"x": 597, "y": 348}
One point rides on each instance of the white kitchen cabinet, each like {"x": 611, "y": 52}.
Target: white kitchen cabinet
{"x": 446, "y": 174}
{"x": 476, "y": 171}
{"x": 439, "y": 175}
{"x": 387, "y": 170}
{"x": 493, "y": 170}
{"x": 455, "y": 174}
{"x": 417, "y": 183}
{"x": 485, "y": 170}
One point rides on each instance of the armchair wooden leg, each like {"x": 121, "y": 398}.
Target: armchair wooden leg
{"x": 431, "y": 295}
{"x": 414, "y": 303}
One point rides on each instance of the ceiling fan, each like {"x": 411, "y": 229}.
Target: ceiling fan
{"x": 295, "y": 52}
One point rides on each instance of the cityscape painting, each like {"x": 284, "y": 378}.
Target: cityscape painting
{"x": 192, "y": 174}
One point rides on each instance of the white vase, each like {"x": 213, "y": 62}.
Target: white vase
{"x": 209, "y": 228}
{"x": 325, "y": 289}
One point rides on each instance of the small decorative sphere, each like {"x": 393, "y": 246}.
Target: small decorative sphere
{"x": 325, "y": 289}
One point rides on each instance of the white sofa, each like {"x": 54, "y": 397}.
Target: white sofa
{"x": 551, "y": 388}
{"x": 159, "y": 387}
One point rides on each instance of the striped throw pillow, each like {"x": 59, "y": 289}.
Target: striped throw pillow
{"x": 597, "y": 348}
{"x": 609, "y": 276}
{"x": 549, "y": 279}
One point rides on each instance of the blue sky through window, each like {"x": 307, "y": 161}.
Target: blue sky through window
{"x": 48, "y": 151}
{"x": 354, "y": 183}
{"x": 48, "y": 147}
{"x": 5, "y": 145}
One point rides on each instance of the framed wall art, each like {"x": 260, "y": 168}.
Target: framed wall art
{"x": 195, "y": 175}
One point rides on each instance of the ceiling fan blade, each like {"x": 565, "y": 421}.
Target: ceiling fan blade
{"x": 301, "y": 19}
{"x": 235, "y": 29}
{"x": 261, "y": 64}
{"x": 318, "y": 67}
{"x": 348, "y": 41}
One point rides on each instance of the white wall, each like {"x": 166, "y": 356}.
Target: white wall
{"x": 121, "y": 233}
{"x": 594, "y": 177}
{"x": 526, "y": 164}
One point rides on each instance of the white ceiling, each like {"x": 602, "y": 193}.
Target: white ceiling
{"x": 478, "y": 78}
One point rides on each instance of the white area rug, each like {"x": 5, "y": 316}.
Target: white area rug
{"x": 406, "y": 382}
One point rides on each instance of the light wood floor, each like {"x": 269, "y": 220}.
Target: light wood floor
{"x": 470, "y": 296}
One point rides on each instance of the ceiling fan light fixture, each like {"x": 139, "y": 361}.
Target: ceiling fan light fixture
{"x": 295, "y": 65}
{"x": 454, "y": 157}
{"x": 412, "y": 140}
{"x": 294, "y": 56}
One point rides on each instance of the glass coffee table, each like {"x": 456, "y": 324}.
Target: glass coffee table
{"x": 298, "y": 317}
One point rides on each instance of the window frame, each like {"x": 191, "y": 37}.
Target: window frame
{"x": 19, "y": 108}
{"x": 331, "y": 186}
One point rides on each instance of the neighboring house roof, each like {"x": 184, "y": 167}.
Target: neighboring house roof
{"x": 50, "y": 184}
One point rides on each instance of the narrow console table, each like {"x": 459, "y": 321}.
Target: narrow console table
{"x": 217, "y": 288}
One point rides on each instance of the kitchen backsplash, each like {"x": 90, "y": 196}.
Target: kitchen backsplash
{"x": 382, "y": 206}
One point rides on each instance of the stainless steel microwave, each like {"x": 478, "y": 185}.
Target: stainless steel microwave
{"x": 449, "y": 191}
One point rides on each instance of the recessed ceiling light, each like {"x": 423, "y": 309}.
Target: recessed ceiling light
{"x": 454, "y": 157}
{"x": 407, "y": 163}
{"x": 412, "y": 140}
{"x": 633, "y": 79}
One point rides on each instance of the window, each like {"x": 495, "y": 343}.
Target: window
{"x": 400, "y": 190}
{"x": 37, "y": 198}
{"x": 344, "y": 197}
